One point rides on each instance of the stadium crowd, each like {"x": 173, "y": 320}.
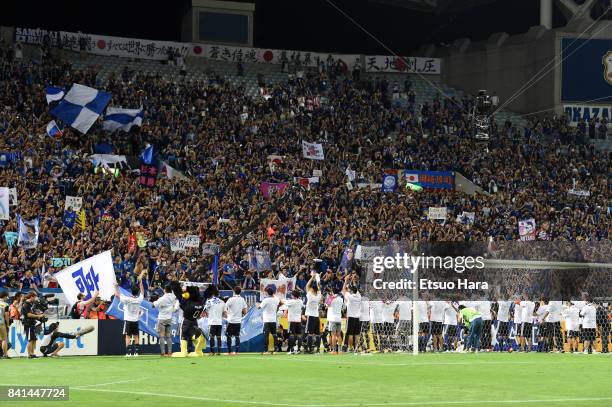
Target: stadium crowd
{"x": 221, "y": 139}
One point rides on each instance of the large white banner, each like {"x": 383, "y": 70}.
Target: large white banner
{"x": 93, "y": 274}
{"x": 381, "y": 63}
{"x": 4, "y": 203}
{"x": 587, "y": 112}
{"x": 159, "y": 50}
{"x": 104, "y": 44}
{"x": 84, "y": 345}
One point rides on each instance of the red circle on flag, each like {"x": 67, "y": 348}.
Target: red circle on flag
{"x": 268, "y": 55}
{"x": 400, "y": 65}
{"x": 101, "y": 44}
{"x": 412, "y": 178}
{"x": 197, "y": 50}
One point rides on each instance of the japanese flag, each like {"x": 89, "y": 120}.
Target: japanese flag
{"x": 412, "y": 177}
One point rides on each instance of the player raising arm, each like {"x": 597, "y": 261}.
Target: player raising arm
{"x": 313, "y": 325}
{"x": 353, "y": 310}
{"x": 131, "y": 315}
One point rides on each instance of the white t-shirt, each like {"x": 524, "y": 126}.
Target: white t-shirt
{"x": 589, "y": 314}
{"x": 450, "y": 315}
{"x": 554, "y": 311}
{"x": 294, "y": 310}
{"x": 131, "y": 307}
{"x": 542, "y": 309}
{"x": 503, "y": 310}
{"x": 234, "y": 307}
{"x": 518, "y": 312}
{"x": 376, "y": 312}
{"x": 165, "y": 305}
{"x": 484, "y": 307}
{"x": 527, "y": 308}
{"x": 405, "y": 310}
{"x": 364, "y": 315}
{"x": 214, "y": 308}
{"x": 312, "y": 304}
{"x": 422, "y": 311}
{"x": 334, "y": 309}
{"x": 388, "y": 311}
{"x": 353, "y": 304}
{"x": 437, "y": 310}
{"x": 269, "y": 305}
{"x": 572, "y": 318}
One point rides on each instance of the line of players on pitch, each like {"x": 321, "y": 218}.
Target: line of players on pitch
{"x": 521, "y": 325}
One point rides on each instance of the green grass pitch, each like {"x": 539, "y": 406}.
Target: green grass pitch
{"x": 323, "y": 380}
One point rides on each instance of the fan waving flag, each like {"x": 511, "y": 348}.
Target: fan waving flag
{"x": 147, "y": 155}
{"x": 81, "y": 107}
{"x": 53, "y": 94}
{"x": 117, "y": 118}
{"x": 53, "y": 129}
{"x": 312, "y": 151}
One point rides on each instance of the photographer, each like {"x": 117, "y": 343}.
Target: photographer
{"x": 4, "y": 323}
{"x": 30, "y": 320}
{"x": 80, "y": 308}
{"x": 48, "y": 345}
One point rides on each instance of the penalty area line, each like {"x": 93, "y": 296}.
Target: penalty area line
{"x": 409, "y": 403}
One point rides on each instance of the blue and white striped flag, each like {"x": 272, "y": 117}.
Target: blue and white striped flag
{"x": 117, "y": 118}
{"x": 54, "y": 94}
{"x": 81, "y": 107}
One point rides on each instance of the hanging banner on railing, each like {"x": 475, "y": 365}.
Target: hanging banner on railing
{"x": 160, "y": 50}
{"x": 104, "y": 44}
{"x": 379, "y": 63}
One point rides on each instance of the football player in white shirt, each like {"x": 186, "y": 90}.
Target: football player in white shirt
{"x": 540, "y": 311}
{"x": 437, "y": 318}
{"x": 552, "y": 320}
{"x": 294, "y": 317}
{"x": 502, "y": 315}
{"x": 527, "y": 313}
{"x": 353, "y": 310}
{"x": 313, "y": 325}
{"x": 166, "y": 305}
{"x": 364, "y": 325}
{"x": 377, "y": 323}
{"x": 450, "y": 327}
{"x": 235, "y": 308}
{"x": 131, "y": 315}
{"x": 572, "y": 326}
{"x": 517, "y": 312}
{"x": 404, "y": 327}
{"x": 423, "y": 313}
{"x": 334, "y": 319}
{"x": 484, "y": 307}
{"x": 589, "y": 325}
{"x": 388, "y": 316}
{"x": 214, "y": 309}
{"x": 269, "y": 307}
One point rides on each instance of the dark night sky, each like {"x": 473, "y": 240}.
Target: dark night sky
{"x": 311, "y": 25}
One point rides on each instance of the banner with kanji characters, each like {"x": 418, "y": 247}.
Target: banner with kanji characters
{"x": 379, "y": 63}
{"x": 104, "y": 44}
{"x": 429, "y": 179}
{"x": 88, "y": 276}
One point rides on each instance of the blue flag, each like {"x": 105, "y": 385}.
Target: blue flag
{"x": 215, "y": 269}
{"x": 69, "y": 219}
{"x": 147, "y": 155}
